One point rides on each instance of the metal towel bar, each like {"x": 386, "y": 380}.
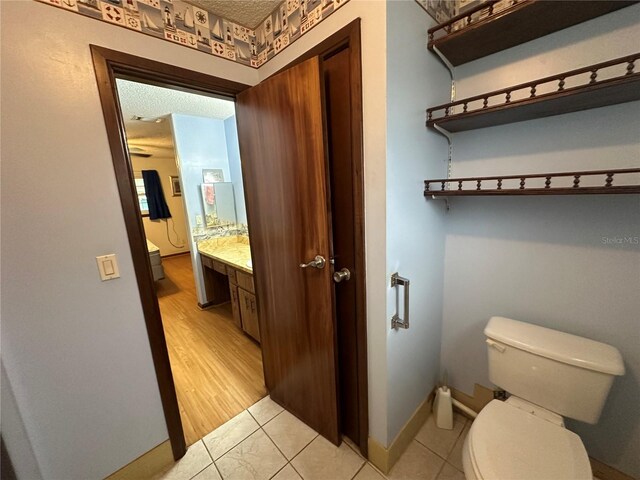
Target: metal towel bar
{"x": 396, "y": 321}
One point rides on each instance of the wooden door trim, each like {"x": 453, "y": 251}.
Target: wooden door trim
{"x": 349, "y": 37}
{"x": 109, "y": 65}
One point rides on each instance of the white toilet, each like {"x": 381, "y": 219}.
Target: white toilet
{"x": 549, "y": 374}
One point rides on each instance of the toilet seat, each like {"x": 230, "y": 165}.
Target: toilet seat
{"x": 507, "y": 443}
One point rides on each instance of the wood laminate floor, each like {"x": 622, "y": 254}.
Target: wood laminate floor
{"x": 217, "y": 369}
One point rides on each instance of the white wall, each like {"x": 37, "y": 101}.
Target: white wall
{"x": 543, "y": 260}
{"x": 373, "y": 33}
{"x": 74, "y": 348}
{"x": 156, "y": 230}
{"x": 415, "y": 235}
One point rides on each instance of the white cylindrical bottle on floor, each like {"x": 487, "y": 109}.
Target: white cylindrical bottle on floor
{"x": 443, "y": 408}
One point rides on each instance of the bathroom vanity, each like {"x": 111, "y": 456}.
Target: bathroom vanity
{"x": 228, "y": 276}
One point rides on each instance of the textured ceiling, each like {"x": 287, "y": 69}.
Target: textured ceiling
{"x": 248, "y": 13}
{"x": 151, "y": 102}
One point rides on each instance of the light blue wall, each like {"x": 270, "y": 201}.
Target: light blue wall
{"x": 415, "y": 236}
{"x": 200, "y": 143}
{"x": 14, "y": 433}
{"x": 543, "y": 259}
{"x": 231, "y": 134}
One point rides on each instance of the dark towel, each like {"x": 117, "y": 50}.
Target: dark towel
{"x": 158, "y": 207}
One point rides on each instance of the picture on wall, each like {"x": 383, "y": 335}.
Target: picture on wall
{"x": 176, "y": 190}
{"x": 213, "y": 175}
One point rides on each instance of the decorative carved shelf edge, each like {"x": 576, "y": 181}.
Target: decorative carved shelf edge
{"x": 498, "y": 188}
{"x": 625, "y": 82}
{"x": 454, "y": 24}
{"x": 496, "y": 25}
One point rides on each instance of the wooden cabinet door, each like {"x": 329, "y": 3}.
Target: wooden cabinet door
{"x": 282, "y": 139}
{"x": 235, "y": 304}
{"x": 249, "y": 313}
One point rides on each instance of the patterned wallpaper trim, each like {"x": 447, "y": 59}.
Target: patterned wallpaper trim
{"x": 179, "y": 22}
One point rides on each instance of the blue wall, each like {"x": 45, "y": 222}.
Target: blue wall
{"x": 415, "y": 232}
{"x": 231, "y": 133}
{"x": 543, "y": 260}
{"x": 200, "y": 143}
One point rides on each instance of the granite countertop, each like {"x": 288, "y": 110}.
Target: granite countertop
{"x": 234, "y": 251}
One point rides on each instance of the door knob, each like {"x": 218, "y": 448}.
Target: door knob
{"x": 341, "y": 275}
{"x": 318, "y": 262}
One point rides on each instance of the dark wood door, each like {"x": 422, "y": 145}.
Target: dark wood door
{"x": 283, "y": 148}
{"x": 337, "y": 78}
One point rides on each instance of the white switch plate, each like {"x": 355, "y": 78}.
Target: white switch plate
{"x": 108, "y": 267}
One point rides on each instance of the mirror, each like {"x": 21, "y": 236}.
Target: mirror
{"x": 219, "y": 204}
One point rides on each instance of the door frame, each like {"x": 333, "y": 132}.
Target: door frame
{"x": 111, "y": 64}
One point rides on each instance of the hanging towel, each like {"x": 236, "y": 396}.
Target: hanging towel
{"x": 209, "y": 194}
{"x": 158, "y": 207}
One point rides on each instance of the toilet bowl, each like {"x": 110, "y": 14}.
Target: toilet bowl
{"x": 549, "y": 374}
{"x": 508, "y": 443}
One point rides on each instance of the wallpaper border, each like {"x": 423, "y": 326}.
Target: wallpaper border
{"x": 179, "y": 22}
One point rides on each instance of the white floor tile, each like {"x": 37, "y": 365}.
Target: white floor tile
{"x": 289, "y": 434}
{"x": 353, "y": 446}
{"x": 368, "y": 472}
{"x": 416, "y": 463}
{"x": 322, "y": 460}
{"x": 255, "y": 458}
{"x": 209, "y": 473}
{"x": 264, "y": 410}
{"x": 287, "y": 473}
{"x": 449, "y": 472}
{"x": 195, "y": 460}
{"x": 455, "y": 457}
{"x": 227, "y": 436}
{"x": 440, "y": 440}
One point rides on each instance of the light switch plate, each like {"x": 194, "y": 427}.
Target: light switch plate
{"x": 108, "y": 267}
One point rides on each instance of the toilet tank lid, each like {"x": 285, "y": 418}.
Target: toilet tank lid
{"x": 559, "y": 346}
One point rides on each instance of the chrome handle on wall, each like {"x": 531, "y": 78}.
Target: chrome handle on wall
{"x": 396, "y": 321}
{"x": 318, "y": 262}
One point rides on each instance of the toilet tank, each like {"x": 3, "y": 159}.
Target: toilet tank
{"x": 564, "y": 373}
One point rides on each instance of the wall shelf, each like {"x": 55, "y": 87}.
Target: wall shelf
{"x": 597, "y": 182}
{"x": 598, "y": 85}
{"x": 488, "y": 28}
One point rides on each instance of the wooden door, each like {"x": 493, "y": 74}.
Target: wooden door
{"x": 337, "y": 78}
{"x": 283, "y": 148}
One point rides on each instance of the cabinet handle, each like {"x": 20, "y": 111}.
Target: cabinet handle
{"x": 246, "y": 303}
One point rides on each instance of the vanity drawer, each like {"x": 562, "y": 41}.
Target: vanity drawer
{"x": 206, "y": 261}
{"x": 232, "y": 275}
{"x": 245, "y": 281}
{"x": 220, "y": 267}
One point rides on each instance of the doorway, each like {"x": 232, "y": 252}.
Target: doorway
{"x": 344, "y": 348}
{"x": 184, "y": 154}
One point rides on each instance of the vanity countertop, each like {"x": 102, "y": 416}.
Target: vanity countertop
{"x": 234, "y": 251}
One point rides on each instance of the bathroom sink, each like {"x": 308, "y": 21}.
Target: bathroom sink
{"x": 249, "y": 264}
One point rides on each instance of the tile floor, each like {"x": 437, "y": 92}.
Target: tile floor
{"x": 265, "y": 442}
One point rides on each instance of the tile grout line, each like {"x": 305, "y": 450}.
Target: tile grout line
{"x": 449, "y": 452}
{"x": 268, "y": 421}
{"x": 206, "y": 466}
{"x": 235, "y": 445}
{"x": 359, "y": 470}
